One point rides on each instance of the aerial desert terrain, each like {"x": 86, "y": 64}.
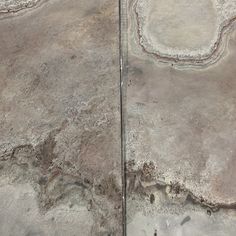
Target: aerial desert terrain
{"x": 180, "y": 117}
{"x": 59, "y": 118}
{"x": 117, "y": 118}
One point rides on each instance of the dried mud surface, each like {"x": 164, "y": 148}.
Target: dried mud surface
{"x": 59, "y": 154}
{"x": 60, "y": 144}
{"x": 183, "y": 33}
{"x": 180, "y": 127}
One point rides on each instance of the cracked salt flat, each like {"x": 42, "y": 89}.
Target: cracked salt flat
{"x": 58, "y": 152}
{"x": 59, "y": 70}
{"x": 180, "y": 127}
{"x": 183, "y": 32}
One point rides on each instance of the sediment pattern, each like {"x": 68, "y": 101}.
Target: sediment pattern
{"x": 10, "y": 6}
{"x": 194, "y": 57}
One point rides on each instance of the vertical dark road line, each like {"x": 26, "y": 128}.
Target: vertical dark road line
{"x": 123, "y": 56}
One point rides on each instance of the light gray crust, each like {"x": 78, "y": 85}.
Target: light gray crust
{"x": 60, "y": 120}
{"x": 219, "y": 24}
{"x": 180, "y": 132}
{"x": 7, "y": 6}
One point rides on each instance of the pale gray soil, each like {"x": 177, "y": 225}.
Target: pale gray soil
{"x": 180, "y": 126}
{"x": 60, "y": 126}
{"x": 59, "y": 120}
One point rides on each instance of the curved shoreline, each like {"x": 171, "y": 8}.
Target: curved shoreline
{"x": 146, "y": 174}
{"x": 18, "y": 11}
{"x": 206, "y": 59}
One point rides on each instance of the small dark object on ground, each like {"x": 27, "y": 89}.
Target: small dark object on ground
{"x": 185, "y": 220}
{"x": 152, "y": 198}
{"x": 209, "y": 212}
